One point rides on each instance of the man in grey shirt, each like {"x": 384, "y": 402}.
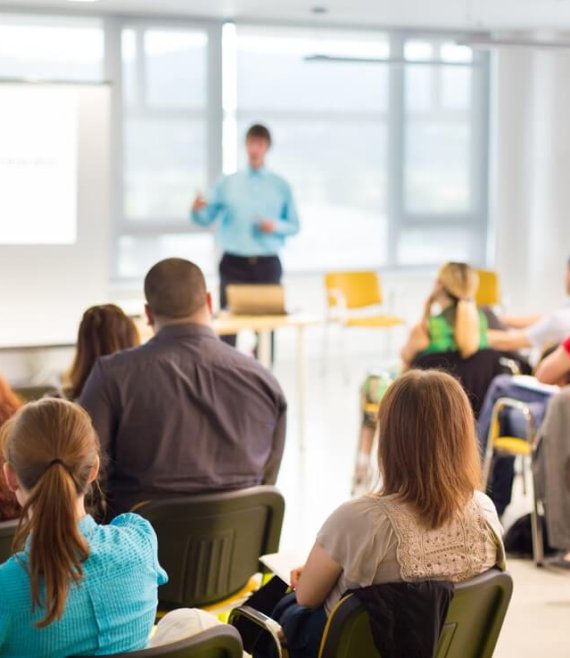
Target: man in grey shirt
{"x": 183, "y": 413}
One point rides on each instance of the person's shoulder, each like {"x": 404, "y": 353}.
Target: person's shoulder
{"x": 13, "y": 578}
{"x": 489, "y": 511}
{"x": 368, "y": 510}
{"x": 134, "y": 524}
{"x": 233, "y": 360}
{"x": 126, "y": 537}
{"x": 279, "y": 180}
{"x": 484, "y": 502}
{"x": 125, "y": 359}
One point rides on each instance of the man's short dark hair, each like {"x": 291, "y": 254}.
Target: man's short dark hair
{"x": 260, "y": 132}
{"x": 175, "y": 288}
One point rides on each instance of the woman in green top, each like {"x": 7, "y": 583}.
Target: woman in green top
{"x": 459, "y": 326}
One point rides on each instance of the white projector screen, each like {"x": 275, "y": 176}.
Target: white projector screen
{"x": 54, "y": 233}
{"x": 38, "y": 164}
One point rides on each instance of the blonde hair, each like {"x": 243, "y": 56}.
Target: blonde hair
{"x": 52, "y": 447}
{"x": 428, "y": 452}
{"x": 461, "y": 282}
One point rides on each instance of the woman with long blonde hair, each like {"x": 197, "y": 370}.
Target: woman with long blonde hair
{"x": 459, "y": 326}
{"x": 428, "y": 521}
{"x": 73, "y": 587}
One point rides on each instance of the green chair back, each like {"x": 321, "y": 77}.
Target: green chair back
{"x": 210, "y": 544}
{"x": 7, "y": 531}
{"x": 32, "y": 393}
{"x": 471, "y": 629}
{"x": 218, "y": 642}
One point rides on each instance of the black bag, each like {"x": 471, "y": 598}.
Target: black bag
{"x": 518, "y": 539}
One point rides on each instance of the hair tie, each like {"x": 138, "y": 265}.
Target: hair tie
{"x": 53, "y": 462}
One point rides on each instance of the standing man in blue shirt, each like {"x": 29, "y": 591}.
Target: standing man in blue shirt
{"x": 257, "y": 214}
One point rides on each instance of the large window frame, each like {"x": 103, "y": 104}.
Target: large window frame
{"x": 122, "y": 225}
{"x": 475, "y": 222}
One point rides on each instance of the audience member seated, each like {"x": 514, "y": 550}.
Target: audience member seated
{"x": 103, "y": 330}
{"x": 551, "y": 466}
{"x": 459, "y": 326}
{"x": 76, "y": 588}
{"x": 554, "y": 369}
{"x": 536, "y": 331}
{"x": 184, "y": 413}
{"x": 9, "y": 404}
{"x": 427, "y": 522}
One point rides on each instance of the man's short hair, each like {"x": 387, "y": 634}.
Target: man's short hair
{"x": 260, "y": 132}
{"x": 175, "y": 288}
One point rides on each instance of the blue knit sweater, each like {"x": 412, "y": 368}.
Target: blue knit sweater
{"x": 111, "y": 610}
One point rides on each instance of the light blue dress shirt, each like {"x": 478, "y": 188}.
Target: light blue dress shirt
{"x": 111, "y": 610}
{"x": 241, "y": 201}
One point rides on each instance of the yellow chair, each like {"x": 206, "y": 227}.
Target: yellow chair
{"x": 489, "y": 293}
{"x": 354, "y": 300}
{"x": 523, "y": 448}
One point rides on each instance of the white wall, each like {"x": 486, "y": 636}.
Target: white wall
{"x": 46, "y": 288}
{"x": 531, "y": 178}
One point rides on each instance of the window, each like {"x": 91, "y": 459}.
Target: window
{"x": 165, "y": 146}
{"x": 386, "y": 160}
{"x": 441, "y": 198}
{"x": 328, "y": 117}
{"x": 38, "y": 47}
{"x": 382, "y": 135}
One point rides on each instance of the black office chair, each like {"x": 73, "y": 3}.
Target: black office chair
{"x": 210, "y": 544}
{"x": 471, "y": 628}
{"x": 7, "y": 532}
{"x": 218, "y": 642}
{"x": 476, "y": 372}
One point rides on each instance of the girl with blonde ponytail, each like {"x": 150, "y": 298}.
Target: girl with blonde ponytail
{"x": 73, "y": 586}
{"x": 460, "y": 326}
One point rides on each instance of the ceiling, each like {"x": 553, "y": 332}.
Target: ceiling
{"x": 464, "y": 14}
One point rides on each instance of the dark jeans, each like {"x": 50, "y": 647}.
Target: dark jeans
{"x": 244, "y": 269}
{"x": 303, "y": 629}
{"x": 512, "y": 424}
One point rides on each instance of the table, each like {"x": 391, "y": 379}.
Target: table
{"x": 226, "y": 323}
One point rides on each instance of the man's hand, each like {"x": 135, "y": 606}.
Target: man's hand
{"x": 267, "y": 226}
{"x": 295, "y": 575}
{"x": 199, "y": 203}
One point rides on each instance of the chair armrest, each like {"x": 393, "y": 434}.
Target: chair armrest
{"x": 259, "y": 619}
{"x": 510, "y": 403}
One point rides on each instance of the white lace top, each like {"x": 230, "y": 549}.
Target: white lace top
{"x": 378, "y": 540}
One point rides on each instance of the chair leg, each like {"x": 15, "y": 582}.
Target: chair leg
{"x": 344, "y": 355}
{"x": 524, "y": 477}
{"x": 487, "y": 465}
{"x": 325, "y": 352}
{"x": 536, "y": 527}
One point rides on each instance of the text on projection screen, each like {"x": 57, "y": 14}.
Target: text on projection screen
{"x": 38, "y": 165}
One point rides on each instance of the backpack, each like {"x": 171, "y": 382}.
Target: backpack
{"x": 518, "y": 539}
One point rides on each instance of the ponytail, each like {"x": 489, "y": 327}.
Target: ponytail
{"x": 467, "y": 331}
{"x": 57, "y": 548}
{"x": 460, "y": 283}
{"x": 53, "y": 450}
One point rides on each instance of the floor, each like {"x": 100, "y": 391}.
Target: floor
{"x": 317, "y": 480}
